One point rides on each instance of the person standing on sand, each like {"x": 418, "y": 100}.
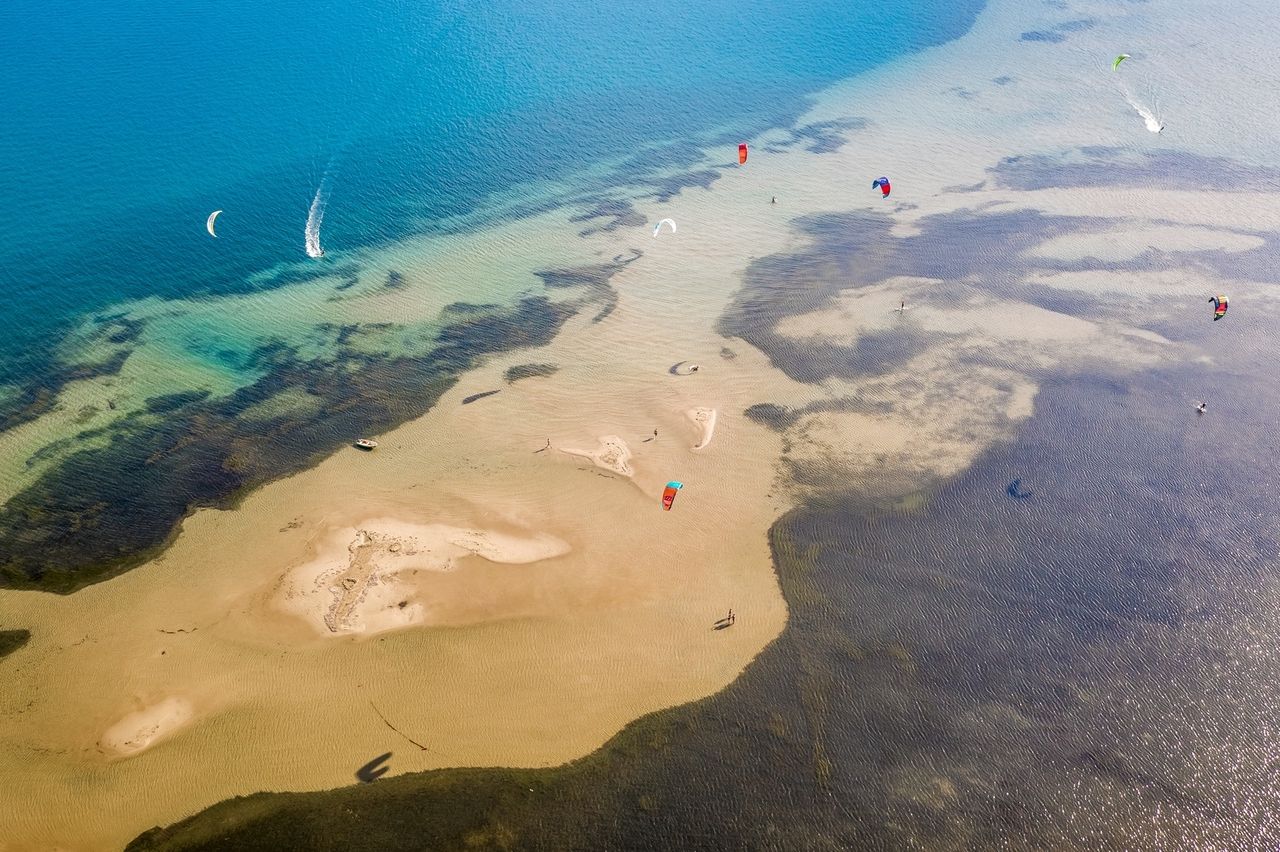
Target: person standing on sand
{"x": 731, "y": 616}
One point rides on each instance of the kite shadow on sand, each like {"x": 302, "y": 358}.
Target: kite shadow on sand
{"x": 1015, "y": 490}
{"x": 374, "y": 769}
{"x": 679, "y": 369}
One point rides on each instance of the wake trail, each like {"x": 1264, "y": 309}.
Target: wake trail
{"x": 1150, "y": 117}
{"x": 372, "y": 106}
{"x": 315, "y": 217}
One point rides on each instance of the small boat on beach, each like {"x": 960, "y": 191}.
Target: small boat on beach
{"x": 366, "y": 443}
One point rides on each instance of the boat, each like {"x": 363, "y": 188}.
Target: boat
{"x": 366, "y": 443}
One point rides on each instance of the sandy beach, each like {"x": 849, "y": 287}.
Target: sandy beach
{"x": 497, "y": 567}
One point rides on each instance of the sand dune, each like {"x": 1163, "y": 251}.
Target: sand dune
{"x": 139, "y": 730}
{"x": 367, "y": 580}
{"x": 612, "y": 455}
{"x": 706, "y": 418}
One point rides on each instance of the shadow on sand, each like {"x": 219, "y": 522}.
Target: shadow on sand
{"x": 374, "y": 769}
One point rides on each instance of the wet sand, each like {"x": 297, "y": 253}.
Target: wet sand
{"x": 256, "y": 645}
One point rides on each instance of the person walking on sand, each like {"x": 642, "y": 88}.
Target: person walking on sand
{"x": 731, "y": 616}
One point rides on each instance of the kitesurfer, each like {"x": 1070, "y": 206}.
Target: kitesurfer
{"x": 1201, "y": 408}
{"x": 773, "y": 200}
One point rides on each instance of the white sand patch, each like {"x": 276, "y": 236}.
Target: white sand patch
{"x": 367, "y": 580}
{"x": 1120, "y": 244}
{"x": 993, "y": 322}
{"x": 1129, "y": 287}
{"x": 612, "y": 455}
{"x": 705, "y": 418}
{"x": 865, "y": 309}
{"x": 925, "y": 435}
{"x": 143, "y": 728}
{"x": 987, "y": 321}
{"x": 1145, "y": 335}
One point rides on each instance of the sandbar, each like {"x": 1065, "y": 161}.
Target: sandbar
{"x": 371, "y": 578}
{"x": 706, "y": 418}
{"x": 141, "y": 729}
{"x": 612, "y": 455}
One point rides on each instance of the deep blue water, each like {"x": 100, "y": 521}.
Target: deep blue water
{"x": 126, "y": 122}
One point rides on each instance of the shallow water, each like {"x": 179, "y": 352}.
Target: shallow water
{"x": 134, "y": 120}
{"x": 1081, "y": 668}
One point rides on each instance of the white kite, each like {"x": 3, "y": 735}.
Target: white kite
{"x": 658, "y": 227}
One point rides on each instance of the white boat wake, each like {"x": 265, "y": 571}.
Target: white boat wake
{"x": 316, "y": 216}
{"x": 1150, "y": 114}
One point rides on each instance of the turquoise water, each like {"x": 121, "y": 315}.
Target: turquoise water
{"x": 126, "y": 123}
{"x": 131, "y": 121}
